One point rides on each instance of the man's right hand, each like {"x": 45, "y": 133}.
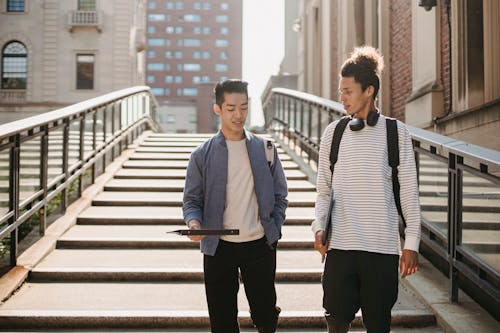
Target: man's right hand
{"x": 195, "y": 225}
{"x": 318, "y": 243}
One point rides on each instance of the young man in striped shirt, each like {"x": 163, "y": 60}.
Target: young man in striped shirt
{"x": 363, "y": 246}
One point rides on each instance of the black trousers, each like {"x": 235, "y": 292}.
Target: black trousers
{"x": 359, "y": 279}
{"x": 257, "y": 262}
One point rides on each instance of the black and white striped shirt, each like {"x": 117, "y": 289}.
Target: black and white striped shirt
{"x": 364, "y": 215}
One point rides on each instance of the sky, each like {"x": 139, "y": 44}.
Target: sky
{"x": 263, "y": 48}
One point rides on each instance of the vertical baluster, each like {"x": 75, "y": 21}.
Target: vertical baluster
{"x": 14, "y": 166}
{"x": 44, "y": 161}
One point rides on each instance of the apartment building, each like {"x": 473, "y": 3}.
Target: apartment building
{"x": 55, "y": 53}
{"x": 191, "y": 45}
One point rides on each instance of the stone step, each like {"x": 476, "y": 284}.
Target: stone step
{"x": 156, "y": 149}
{"x": 177, "y": 185}
{"x": 432, "y": 203}
{"x": 169, "y": 305}
{"x": 111, "y": 198}
{"x": 181, "y": 174}
{"x": 140, "y": 215}
{"x": 145, "y": 164}
{"x": 178, "y": 156}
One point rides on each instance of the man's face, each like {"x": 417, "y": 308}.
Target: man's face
{"x": 233, "y": 113}
{"x": 352, "y": 97}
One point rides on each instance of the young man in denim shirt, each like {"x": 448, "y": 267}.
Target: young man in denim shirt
{"x": 230, "y": 184}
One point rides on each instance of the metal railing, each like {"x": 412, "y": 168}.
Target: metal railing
{"x": 44, "y": 157}
{"x": 459, "y": 186}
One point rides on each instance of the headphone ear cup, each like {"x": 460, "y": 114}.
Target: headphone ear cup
{"x": 372, "y": 118}
{"x": 356, "y": 124}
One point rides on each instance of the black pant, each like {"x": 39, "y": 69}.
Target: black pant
{"x": 359, "y": 279}
{"x": 257, "y": 263}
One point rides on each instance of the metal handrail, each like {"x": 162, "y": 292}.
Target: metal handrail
{"x": 105, "y": 126}
{"x": 300, "y": 119}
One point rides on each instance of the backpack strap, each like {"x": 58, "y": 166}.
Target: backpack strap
{"x": 337, "y": 136}
{"x": 269, "y": 149}
{"x": 393, "y": 154}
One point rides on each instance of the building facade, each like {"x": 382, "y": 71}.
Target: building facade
{"x": 442, "y": 71}
{"x": 55, "y": 53}
{"x": 191, "y": 45}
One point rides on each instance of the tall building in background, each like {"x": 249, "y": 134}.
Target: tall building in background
{"x": 55, "y": 53}
{"x": 190, "y": 46}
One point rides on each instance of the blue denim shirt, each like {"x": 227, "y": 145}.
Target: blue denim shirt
{"x": 205, "y": 190}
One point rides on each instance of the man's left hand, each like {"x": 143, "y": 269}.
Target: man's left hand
{"x": 408, "y": 263}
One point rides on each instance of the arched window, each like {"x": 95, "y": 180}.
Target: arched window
{"x": 14, "y": 66}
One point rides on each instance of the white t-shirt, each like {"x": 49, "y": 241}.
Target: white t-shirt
{"x": 242, "y": 210}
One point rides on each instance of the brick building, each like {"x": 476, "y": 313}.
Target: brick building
{"x": 190, "y": 46}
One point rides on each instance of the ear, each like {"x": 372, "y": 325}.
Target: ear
{"x": 217, "y": 109}
{"x": 370, "y": 90}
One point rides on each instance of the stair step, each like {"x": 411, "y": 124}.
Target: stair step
{"x": 161, "y": 259}
{"x": 122, "y": 305}
{"x": 139, "y": 173}
{"x": 159, "y": 149}
{"x": 139, "y": 215}
{"x": 111, "y": 198}
{"x": 177, "y": 185}
{"x": 178, "y": 156}
{"x": 158, "y": 164}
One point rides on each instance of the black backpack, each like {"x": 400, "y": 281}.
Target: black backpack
{"x": 393, "y": 154}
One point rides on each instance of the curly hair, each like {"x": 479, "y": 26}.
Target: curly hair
{"x": 364, "y": 64}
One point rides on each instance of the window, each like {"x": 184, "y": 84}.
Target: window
{"x": 197, "y": 54}
{"x": 197, "y": 5}
{"x": 197, "y": 30}
{"x": 169, "y": 5}
{"x": 221, "y": 18}
{"x": 224, "y": 30}
{"x": 221, "y": 42}
{"x": 205, "y": 79}
{"x": 223, "y": 55}
{"x": 221, "y": 68}
{"x": 206, "y": 5}
{"x": 224, "y": 6}
{"x": 156, "y": 41}
{"x": 151, "y": 30}
{"x": 196, "y": 79}
{"x": 206, "y": 30}
{"x": 158, "y": 91}
{"x": 192, "y": 18}
{"x": 156, "y": 17}
{"x": 192, "y": 67}
{"x": 170, "y": 119}
{"x": 178, "y": 54}
{"x": 14, "y": 66}
{"x": 151, "y": 54}
{"x": 86, "y": 4}
{"x": 191, "y": 42}
{"x": 178, "y": 30}
{"x": 193, "y": 119}
{"x": 179, "y": 5}
{"x": 152, "y": 5}
{"x": 156, "y": 67}
{"x": 206, "y": 55}
{"x": 178, "y": 79}
{"x": 150, "y": 79}
{"x": 179, "y": 92}
{"x": 223, "y": 78}
{"x": 168, "y": 54}
{"x": 190, "y": 92}
{"x": 15, "y": 6}
{"x": 169, "y": 30}
{"x": 167, "y": 91}
{"x": 85, "y": 71}
{"x": 169, "y": 79}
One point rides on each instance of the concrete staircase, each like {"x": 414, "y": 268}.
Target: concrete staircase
{"x": 117, "y": 268}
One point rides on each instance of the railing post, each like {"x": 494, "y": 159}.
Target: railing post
{"x": 104, "y": 134}
{"x": 82, "y": 151}
{"x": 65, "y": 162}
{"x": 94, "y": 143}
{"x": 319, "y": 126}
{"x": 14, "y": 166}
{"x": 44, "y": 168}
{"x": 454, "y": 220}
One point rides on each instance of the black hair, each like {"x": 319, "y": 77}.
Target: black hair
{"x": 229, "y": 86}
{"x": 365, "y": 64}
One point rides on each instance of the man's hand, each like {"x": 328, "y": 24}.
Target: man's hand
{"x": 195, "y": 225}
{"x": 408, "y": 263}
{"x": 318, "y": 243}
